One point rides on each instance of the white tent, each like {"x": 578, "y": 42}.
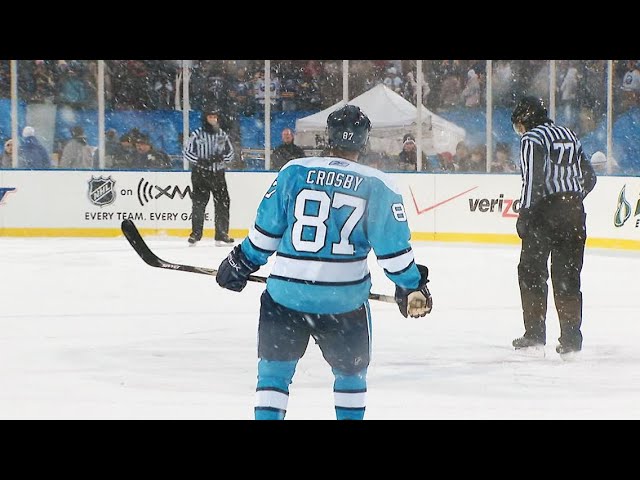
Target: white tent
{"x": 391, "y": 118}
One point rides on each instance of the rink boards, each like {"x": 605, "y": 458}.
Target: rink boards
{"x": 440, "y": 207}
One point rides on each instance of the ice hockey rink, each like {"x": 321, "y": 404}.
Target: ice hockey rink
{"x": 89, "y": 331}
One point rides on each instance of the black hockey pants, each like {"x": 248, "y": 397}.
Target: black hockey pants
{"x": 557, "y": 228}
{"x": 204, "y": 184}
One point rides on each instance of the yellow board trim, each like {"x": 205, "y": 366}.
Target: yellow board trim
{"x": 510, "y": 239}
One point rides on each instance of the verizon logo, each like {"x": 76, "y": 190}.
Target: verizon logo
{"x": 508, "y": 207}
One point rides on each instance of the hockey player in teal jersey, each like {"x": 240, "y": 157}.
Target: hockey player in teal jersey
{"x": 321, "y": 217}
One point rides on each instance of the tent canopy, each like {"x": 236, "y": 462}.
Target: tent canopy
{"x": 391, "y": 117}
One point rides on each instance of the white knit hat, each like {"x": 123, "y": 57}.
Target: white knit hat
{"x": 28, "y": 131}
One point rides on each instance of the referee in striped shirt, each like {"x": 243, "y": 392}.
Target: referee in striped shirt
{"x": 209, "y": 150}
{"x": 556, "y": 177}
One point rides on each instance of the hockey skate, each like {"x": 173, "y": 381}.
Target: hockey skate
{"x": 193, "y": 240}
{"x": 529, "y": 346}
{"x": 224, "y": 241}
{"x": 568, "y": 352}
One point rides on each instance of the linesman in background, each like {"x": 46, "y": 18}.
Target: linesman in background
{"x": 556, "y": 177}
{"x": 209, "y": 151}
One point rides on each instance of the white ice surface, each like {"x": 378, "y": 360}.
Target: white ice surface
{"x": 89, "y": 331}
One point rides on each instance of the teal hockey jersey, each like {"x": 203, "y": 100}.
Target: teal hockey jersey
{"x": 321, "y": 217}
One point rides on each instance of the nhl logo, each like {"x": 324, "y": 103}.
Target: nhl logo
{"x": 101, "y": 191}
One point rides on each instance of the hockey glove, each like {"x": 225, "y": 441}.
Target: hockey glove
{"x": 204, "y": 164}
{"x": 217, "y": 158}
{"x": 522, "y": 224}
{"x": 233, "y": 272}
{"x": 415, "y": 303}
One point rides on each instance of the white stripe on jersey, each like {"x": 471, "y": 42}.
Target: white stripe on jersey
{"x": 338, "y": 163}
{"x": 319, "y": 271}
{"x": 396, "y": 264}
{"x": 350, "y": 400}
{"x": 527, "y": 173}
{"x": 262, "y": 241}
{"x": 271, "y": 398}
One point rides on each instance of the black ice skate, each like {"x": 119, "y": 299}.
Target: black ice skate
{"x": 193, "y": 240}
{"x": 224, "y": 240}
{"x": 527, "y": 342}
{"x": 530, "y": 346}
{"x": 568, "y": 351}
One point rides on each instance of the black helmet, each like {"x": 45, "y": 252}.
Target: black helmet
{"x": 210, "y": 111}
{"x": 348, "y": 128}
{"x": 530, "y": 111}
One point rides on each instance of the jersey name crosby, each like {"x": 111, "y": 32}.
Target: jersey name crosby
{"x": 321, "y": 217}
{"x": 336, "y": 179}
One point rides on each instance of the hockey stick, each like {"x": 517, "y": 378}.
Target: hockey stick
{"x": 132, "y": 234}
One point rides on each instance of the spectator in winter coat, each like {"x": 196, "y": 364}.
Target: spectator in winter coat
{"x": 148, "y": 158}
{"x": 502, "y": 162}
{"x": 408, "y": 157}
{"x": 76, "y": 153}
{"x": 124, "y": 154}
{"x": 6, "y": 160}
{"x": 286, "y": 151}
{"x": 472, "y": 90}
{"x": 410, "y": 91}
{"x": 447, "y": 163}
{"x": 462, "y": 156}
{"x": 32, "y": 153}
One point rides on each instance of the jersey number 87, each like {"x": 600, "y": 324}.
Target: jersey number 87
{"x": 318, "y": 221}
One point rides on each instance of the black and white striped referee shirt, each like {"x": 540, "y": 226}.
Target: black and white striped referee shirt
{"x": 552, "y": 161}
{"x": 203, "y": 146}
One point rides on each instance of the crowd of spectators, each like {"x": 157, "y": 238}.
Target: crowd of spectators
{"x": 128, "y": 84}
{"x": 133, "y": 150}
{"x": 466, "y": 159}
{"x": 239, "y": 88}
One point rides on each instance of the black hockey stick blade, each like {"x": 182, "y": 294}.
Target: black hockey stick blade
{"x": 131, "y": 233}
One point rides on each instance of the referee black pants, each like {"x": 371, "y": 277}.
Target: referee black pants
{"x": 204, "y": 184}
{"x": 557, "y": 230}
